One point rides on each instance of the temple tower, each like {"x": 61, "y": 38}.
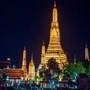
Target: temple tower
{"x": 86, "y": 53}
{"x": 24, "y": 65}
{"x": 54, "y": 48}
{"x": 43, "y": 54}
{"x": 31, "y": 69}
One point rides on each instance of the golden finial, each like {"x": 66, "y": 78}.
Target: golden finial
{"x": 54, "y": 4}
{"x": 32, "y": 58}
{"x": 43, "y": 42}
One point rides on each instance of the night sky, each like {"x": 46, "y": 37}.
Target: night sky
{"x": 27, "y": 23}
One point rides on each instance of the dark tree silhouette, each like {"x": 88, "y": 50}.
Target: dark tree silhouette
{"x": 53, "y": 66}
{"x": 50, "y": 69}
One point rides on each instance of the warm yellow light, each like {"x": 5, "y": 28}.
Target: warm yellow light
{"x": 8, "y": 59}
{"x": 54, "y": 48}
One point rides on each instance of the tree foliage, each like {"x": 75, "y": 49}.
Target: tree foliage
{"x": 88, "y": 70}
{"x": 72, "y": 69}
{"x": 43, "y": 71}
{"x": 80, "y": 68}
{"x": 53, "y": 65}
{"x": 50, "y": 69}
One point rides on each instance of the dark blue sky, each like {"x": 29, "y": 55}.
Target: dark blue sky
{"x": 27, "y": 23}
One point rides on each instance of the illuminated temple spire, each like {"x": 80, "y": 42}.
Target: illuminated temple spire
{"x": 43, "y": 54}
{"x": 54, "y": 30}
{"x": 54, "y": 42}
{"x": 31, "y": 69}
{"x": 55, "y": 17}
{"x": 86, "y": 53}
{"x": 54, "y": 48}
{"x": 24, "y": 65}
{"x": 32, "y": 60}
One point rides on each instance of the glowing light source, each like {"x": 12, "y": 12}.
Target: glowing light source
{"x": 8, "y": 59}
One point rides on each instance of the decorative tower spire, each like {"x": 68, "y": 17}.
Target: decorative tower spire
{"x": 55, "y": 15}
{"x": 24, "y": 65}
{"x": 86, "y": 53}
{"x": 43, "y": 54}
{"x": 31, "y": 69}
{"x": 55, "y": 42}
{"x": 32, "y": 59}
{"x": 54, "y": 4}
{"x": 54, "y": 48}
{"x": 74, "y": 59}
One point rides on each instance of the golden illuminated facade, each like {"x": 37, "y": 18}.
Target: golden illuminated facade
{"x": 31, "y": 73}
{"x": 54, "y": 48}
{"x": 24, "y": 65}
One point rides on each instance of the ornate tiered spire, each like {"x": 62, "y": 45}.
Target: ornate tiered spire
{"x": 31, "y": 68}
{"x": 86, "y": 53}
{"x": 55, "y": 15}
{"x": 55, "y": 31}
{"x": 54, "y": 48}
{"x": 43, "y": 54}
{"x": 32, "y": 60}
{"x": 24, "y": 65}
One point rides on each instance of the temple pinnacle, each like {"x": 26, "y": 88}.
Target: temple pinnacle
{"x": 54, "y": 4}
